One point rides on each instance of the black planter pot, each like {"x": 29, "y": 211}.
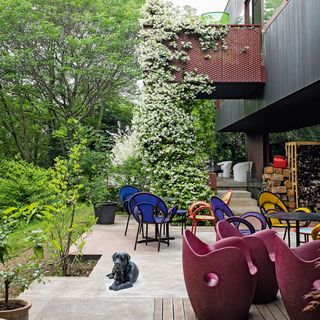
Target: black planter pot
{"x": 105, "y": 213}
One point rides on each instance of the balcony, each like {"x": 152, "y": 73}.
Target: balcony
{"x": 238, "y": 72}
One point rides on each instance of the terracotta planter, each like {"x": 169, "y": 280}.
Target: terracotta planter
{"x": 16, "y": 314}
{"x": 213, "y": 180}
{"x": 105, "y": 213}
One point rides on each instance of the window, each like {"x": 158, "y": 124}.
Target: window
{"x": 270, "y": 7}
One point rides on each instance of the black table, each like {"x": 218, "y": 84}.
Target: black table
{"x": 297, "y": 217}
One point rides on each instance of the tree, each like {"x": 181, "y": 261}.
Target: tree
{"x": 270, "y": 6}
{"x": 62, "y": 60}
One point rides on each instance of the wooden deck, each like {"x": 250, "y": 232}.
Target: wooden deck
{"x": 180, "y": 309}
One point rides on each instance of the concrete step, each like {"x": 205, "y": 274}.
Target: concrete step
{"x": 243, "y": 202}
{"x": 238, "y": 210}
{"x": 235, "y": 194}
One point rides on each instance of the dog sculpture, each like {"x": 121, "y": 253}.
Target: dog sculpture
{"x": 124, "y": 271}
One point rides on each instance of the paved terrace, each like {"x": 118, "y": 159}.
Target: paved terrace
{"x": 159, "y": 292}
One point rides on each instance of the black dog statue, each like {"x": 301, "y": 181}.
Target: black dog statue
{"x": 124, "y": 271}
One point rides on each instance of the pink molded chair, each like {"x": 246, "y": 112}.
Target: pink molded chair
{"x": 261, "y": 246}
{"x": 220, "y": 278}
{"x": 297, "y": 275}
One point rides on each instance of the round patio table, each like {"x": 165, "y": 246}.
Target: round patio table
{"x": 297, "y": 217}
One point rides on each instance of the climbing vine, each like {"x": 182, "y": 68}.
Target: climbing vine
{"x": 172, "y": 159}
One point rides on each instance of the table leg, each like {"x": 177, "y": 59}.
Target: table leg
{"x": 298, "y": 233}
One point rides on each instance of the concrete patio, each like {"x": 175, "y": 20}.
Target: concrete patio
{"x": 89, "y": 298}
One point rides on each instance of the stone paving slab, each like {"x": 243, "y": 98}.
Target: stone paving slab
{"x": 97, "y": 308}
{"x": 89, "y": 298}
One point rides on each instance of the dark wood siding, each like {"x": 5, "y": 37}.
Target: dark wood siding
{"x": 291, "y": 49}
{"x": 234, "y": 8}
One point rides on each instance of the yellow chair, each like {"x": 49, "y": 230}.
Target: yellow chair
{"x": 269, "y": 203}
{"x": 315, "y": 232}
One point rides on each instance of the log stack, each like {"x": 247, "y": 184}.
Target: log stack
{"x": 277, "y": 181}
{"x": 308, "y": 164}
{"x": 304, "y": 162}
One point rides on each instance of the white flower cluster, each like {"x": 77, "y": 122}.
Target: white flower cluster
{"x": 172, "y": 158}
{"x": 126, "y": 146}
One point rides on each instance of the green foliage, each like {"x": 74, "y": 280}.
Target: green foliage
{"x": 29, "y": 212}
{"x": 270, "y": 6}
{"x": 204, "y": 114}
{"x": 98, "y": 186}
{"x": 60, "y": 62}
{"x": 62, "y": 229}
{"x": 131, "y": 172}
{"x": 16, "y": 274}
{"x": 23, "y": 183}
{"x": 168, "y": 132}
{"x": 279, "y": 139}
{"x": 230, "y": 146}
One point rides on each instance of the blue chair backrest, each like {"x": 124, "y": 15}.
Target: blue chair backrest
{"x": 126, "y": 192}
{"x": 220, "y": 209}
{"x": 145, "y": 206}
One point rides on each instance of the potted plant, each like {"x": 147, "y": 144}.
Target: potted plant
{"x": 15, "y": 309}
{"x": 100, "y": 191}
{"x": 103, "y": 198}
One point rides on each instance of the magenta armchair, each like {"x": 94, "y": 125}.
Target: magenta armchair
{"x": 261, "y": 246}
{"x": 220, "y": 278}
{"x": 296, "y": 274}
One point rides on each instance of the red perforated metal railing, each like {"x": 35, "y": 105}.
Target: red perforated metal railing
{"x": 240, "y": 64}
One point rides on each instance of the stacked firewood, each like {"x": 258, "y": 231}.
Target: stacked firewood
{"x": 277, "y": 181}
{"x": 308, "y": 173}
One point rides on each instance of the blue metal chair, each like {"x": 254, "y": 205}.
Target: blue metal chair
{"x": 125, "y": 194}
{"x": 222, "y": 212}
{"x": 147, "y": 208}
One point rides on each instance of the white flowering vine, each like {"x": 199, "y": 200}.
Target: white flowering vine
{"x": 172, "y": 159}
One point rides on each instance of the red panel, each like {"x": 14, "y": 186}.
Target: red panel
{"x": 240, "y": 63}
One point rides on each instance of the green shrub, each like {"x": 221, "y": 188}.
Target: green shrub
{"x": 22, "y": 183}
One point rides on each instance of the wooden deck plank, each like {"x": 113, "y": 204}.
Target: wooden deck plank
{"x": 157, "y": 309}
{"x": 167, "y": 308}
{"x": 255, "y": 313}
{"x": 265, "y": 312}
{"x": 278, "y": 314}
{"x": 181, "y": 309}
{"x": 281, "y": 306}
{"x": 178, "y": 312}
{"x": 188, "y": 311}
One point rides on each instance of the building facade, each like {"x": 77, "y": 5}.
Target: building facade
{"x": 290, "y": 97}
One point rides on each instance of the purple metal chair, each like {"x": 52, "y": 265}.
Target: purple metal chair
{"x": 222, "y": 212}
{"x": 261, "y": 246}
{"x": 297, "y": 275}
{"x": 220, "y": 277}
{"x": 147, "y": 208}
{"x": 125, "y": 194}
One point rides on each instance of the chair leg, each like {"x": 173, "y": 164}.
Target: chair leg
{"x": 147, "y": 234}
{"x": 289, "y": 240}
{"x": 285, "y": 233}
{"x": 159, "y": 239}
{"x": 182, "y": 223}
{"x": 125, "y": 233}
{"x": 135, "y": 244}
{"x": 167, "y": 231}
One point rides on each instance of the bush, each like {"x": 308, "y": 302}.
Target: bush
{"x": 23, "y": 183}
